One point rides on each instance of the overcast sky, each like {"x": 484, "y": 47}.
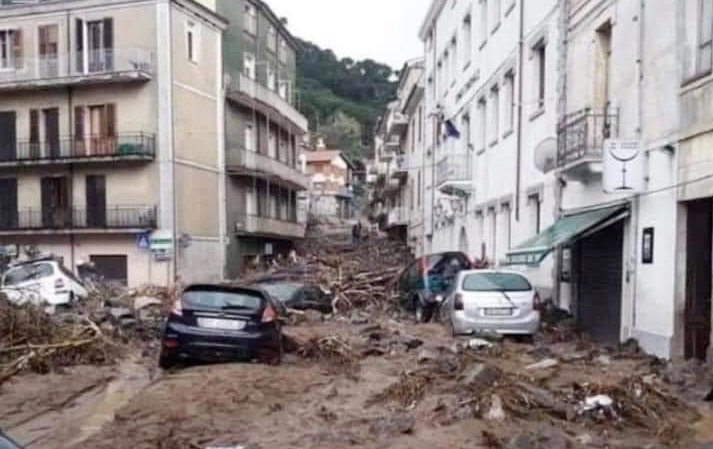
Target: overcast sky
{"x": 383, "y": 30}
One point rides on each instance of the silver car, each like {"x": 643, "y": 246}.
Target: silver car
{"x": 491, "y": 300}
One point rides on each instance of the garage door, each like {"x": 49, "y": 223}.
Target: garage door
{"x": 112, "y": 268}
{"x": 599, "y": 283}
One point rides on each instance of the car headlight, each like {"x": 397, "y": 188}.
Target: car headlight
{"x": 439, "y": 298}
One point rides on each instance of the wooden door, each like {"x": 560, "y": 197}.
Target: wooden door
{"x": 51, "y": 122}
{"x": 56, "y": 210}
{"x": 699, "y": 263}
{"x": 8, "y": 136}
{"x": 8, "y": 204}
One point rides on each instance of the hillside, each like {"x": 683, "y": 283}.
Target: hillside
{"x": 343, "y": 98}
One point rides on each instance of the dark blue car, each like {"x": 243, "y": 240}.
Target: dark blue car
{"x": 217, "y": 323}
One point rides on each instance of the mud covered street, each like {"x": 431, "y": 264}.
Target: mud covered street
{"x": 366, "y": 376}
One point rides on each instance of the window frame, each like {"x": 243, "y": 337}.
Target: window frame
{"x": 250, "y": 18}
{"x": 494, "y": 116}
{"x": 249, "y": 70}
{"x": 702, "y": 45}
{"x": 467, "y": 31}
{"x": 9, "y": 46}
{"x": 509, "y": 91}
{"x": 539, "y": 51}
{"x": 193, "y": 40}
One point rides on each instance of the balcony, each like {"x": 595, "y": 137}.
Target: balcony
{"x": 398, "y": 125}
{"x": 242, "y": 162}
{"x": 454, "y": 174}
{"x": 253, "y": 224}
{"x": 580, "y": 139}
{"x": 400, "y": 170}
{"x": 89, "y": 67}
{"x": 248, "y": 91}
{"x": 397, "y": 217}
{"x": 393, "y": 144}
{"x": 68, "y": 150}
{"x": 68, "y": 220}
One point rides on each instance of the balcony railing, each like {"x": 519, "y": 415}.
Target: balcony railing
{"x": 400, "y": 167}
{"x": 454, "y": 172}
{"x": 131, "y": 146}
{"x": 75, "y": 67}
{"x": 111, "y": 217}
{"x": 256, "y": 91}
{"x": 581, "y": 135}
{"x": 240, "y": 161}
{"x": 264, "y": 224}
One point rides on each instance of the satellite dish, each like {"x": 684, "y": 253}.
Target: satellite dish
{"x": 546, "y": 155}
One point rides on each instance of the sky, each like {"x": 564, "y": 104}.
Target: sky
{"x": 383, "y": 30}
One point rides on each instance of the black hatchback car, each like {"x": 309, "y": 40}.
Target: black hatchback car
{"x": 422, "y": 284}
{"x": 215, "y": 323}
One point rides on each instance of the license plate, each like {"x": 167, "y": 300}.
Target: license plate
{"x": 217, "y": 323}
{"x": 498, "y": 312}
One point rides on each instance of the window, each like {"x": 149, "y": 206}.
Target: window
{"x": 495, "y": 282}
{"x": 540, "y": 67}
{"x": 250, "y": 19}
{"x": 495, "y": 11}
{"x": 467, "y": 38}
{"x": 465, "y": 130}
{"x": 508, "y": 101}
{"x": 418, "y": 188}
{"x": 482, "y": 105}
{"x": 454, "y": 60}
{"x": 272, "y": 38}
{"x": 249, "y": 137}
{"x": 534, "y": 211}
{"x": 705, "y": 36}
{"x": 420, "y": 123}
{"x": 283, "y": 90}
{"x": 283, "y": 50}
{"x": 446, "y": 71}
{"x": 48, "y": 36}
{"x": 483, "y": 22}
{"x": 440, "y": 78}
{"x": 429, "y": 41}
{"x": 271, "y": 78}
{"x": 412, "y": 125}
{"x": 494, "y": 119}
{"x": 249, "y": 65}
{"x": 10, "y": 49}
{"x": 192, "y": 41}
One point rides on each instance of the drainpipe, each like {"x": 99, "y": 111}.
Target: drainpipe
{"x": 521, "y": 63}
{"x": 433, "y": 146}
{"x": 173, "y": 166}
{"x": 70, "y": 122}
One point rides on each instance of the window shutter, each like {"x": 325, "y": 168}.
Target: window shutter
{"x": 110, "y": 120}
{"x": 79, "y": 44}
{"x": 79, "y": 123}
{"x": 34, "y": 126}
{"x": 109, "y": 43}
{"x": 17, "y": 48}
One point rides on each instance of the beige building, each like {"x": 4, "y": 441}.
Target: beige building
{"x": 331, "y": 174}
{"x": 111, "y": 150}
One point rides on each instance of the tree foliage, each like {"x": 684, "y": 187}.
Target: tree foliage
{"x": 333, "y": 91}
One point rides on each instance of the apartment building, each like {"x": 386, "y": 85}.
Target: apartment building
{"x": 111, "y": 114}
{"x": 263, "y": 134}
{"x": 491, "y": 70}
{"x": 331, "y": 174}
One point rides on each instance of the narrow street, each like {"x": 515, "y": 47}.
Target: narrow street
{"x": 369, "y": 377}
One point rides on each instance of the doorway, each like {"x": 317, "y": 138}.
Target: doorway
{"x": 96, "y": 201}
{"x": 56, "y": 209}
{"x": 8, "y": 136}
{"x": 699, "y": 264}
{"x": 8, "y": 204}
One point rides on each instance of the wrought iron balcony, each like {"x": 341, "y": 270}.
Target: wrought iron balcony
{"x": 454, "y": 174}
{"x": 267, "y": 225}
{"x": 62, "y": 219}
{"x": 581, "y": 136}
{"x": 87, "y": 67}
{"x": 64, "y": 150}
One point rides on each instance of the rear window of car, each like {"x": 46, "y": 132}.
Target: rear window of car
{"x": 488, "y": 282}
{"x": 220, "y": 299}
{"x": 25, "y": 273}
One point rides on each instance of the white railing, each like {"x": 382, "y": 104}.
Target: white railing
{"x": 257, "y": 91}
{"x": 80, "y": 64}
{"x": 454, "y": 168}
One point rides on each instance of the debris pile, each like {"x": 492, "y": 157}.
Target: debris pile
{"x": 334, "y": 352}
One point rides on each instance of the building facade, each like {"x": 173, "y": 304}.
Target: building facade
{"x": 106, "y": 142}
{"x": 263, "y": 134}
{"x": 331, "y": 179}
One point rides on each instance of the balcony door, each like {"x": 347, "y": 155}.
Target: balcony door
{"x": 96, "y": 201}
{"x": 94, "y": 44}
{"x": 44, "y": 133}
{"x": 8, "y": 203}
{"x": 8, "y": 136}
{"x": 95, "y": 130}
{"x": 56, "y": 209}
{"x": 48, "y": 38}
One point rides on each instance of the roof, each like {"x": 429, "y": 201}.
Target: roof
{"x": 326, "y": 156}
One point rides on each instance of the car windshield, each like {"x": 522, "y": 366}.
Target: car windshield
{"x": 29, "y": 272}
{"x": 488, "y": 282}
{"x": 281, "y": 291}
{"x": 5, "y": 443}
{"x": 221, "y": 299}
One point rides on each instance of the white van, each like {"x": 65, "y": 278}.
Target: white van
{"x": 42, "y": 283}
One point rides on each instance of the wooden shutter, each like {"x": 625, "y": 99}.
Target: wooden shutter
{"x": 79, "y": 123}
{"x": 34, "y": 126}
{"x": 17, "y": 48}
{"x": 79, "y": 44}
{"x": 108, "y": 43}
{"x": 110, "y": 120}
{"x": 96, "y": 200}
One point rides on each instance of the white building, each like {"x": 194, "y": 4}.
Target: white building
{"x": 492, "y": 70}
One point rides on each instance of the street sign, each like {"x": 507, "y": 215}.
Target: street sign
{"x": 623, "y": 166}
{"x": 143, "y": 241}
{"x": 161, "y": 245}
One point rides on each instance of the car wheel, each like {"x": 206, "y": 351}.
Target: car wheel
{"x": 165, "y": 361}
{"x": 273, "y": 356}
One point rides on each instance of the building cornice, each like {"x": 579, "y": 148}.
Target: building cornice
{"x": 433, "y": 12}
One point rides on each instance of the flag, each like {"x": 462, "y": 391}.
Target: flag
{"x": 451, "y": 130}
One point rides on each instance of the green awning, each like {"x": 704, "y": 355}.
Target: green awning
{"x": 564, "y": 230}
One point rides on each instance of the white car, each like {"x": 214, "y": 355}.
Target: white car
{"x": 43, "y": 283}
